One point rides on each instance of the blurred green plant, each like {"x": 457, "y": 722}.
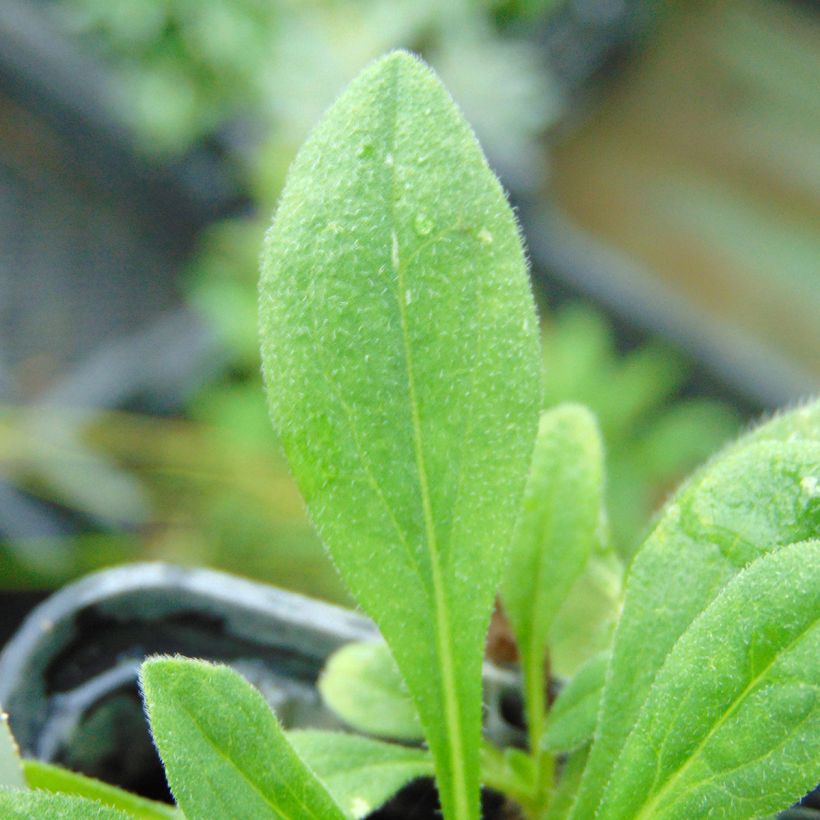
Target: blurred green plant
{"x": 653, "y": 437}
{"x": 189, "y": 68}
{"x": 213, "y": 489}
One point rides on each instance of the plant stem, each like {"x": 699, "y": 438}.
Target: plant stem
{"x": 536, "y": 710}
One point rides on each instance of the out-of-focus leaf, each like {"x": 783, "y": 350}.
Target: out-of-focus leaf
{"x": 11, "y": 772}
{"x": 50, "y": 778}
{"x": 586, "y": 621}
{"x": 362, "y": 685}
{"x": 27, "y": 805}
{"x": 572, "y": 718}
{"x": 360, "y": 773}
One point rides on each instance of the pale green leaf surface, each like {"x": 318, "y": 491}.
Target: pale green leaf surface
{"x": 572, "y": 718}
{"x": 733, "y": 717}
{"x": 224, "y": 752}
{"x": 52, "y": 778}
{"x": 360, "y": 773}
{"x": 557, "y": 528}
{"x": 586, "y": 620}
{"x": 759, "y": 495}
{"x": 11, "y": 773}
{"x": 16, "y": 804}
{"x": 400, "y": 352}
{"x": 363, "y": 686}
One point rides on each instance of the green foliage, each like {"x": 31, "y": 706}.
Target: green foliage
{"x": 745, "y": 736}
{"x": 50, "y": 778}
{"x": 652, "y": 442}
{"x": 360, "y": 773}
{"x": 758, "y": 496}
{"x": 362, "y": 685}
{"x": 208, "y": 719}
{"x": 558, "y": 526}
{"x": 398, "y": 340}
{"x": 405, "y": 387}
{"x": 574, "y": 714}
{"x": 25, "y": 805}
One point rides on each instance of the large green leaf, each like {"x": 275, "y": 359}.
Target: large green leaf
{"x": 224, "y": 752}
{"x": 572, "y": 718}
{"x": 11, "y": 773}
{"x": 759, "y": 495}
{"x": 16, "y": 804}
{"x": 360, "y": 773}
{"x": 362, "y": 685}
{"x": 400, "y": 352}
{"x": 732, "y": 718}
{"x": 559, "y": 524}
{"x": 52, "y": 778}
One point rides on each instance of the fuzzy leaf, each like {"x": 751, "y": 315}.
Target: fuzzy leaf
{"x": 558, "y": 526}
{"x": 758, "y": 495}
{"x": 224, "y": 752}
{"x": 11, "y": 772}
{"x": 360, "y": 773}
{"x": 363, "y": 686}
{"x": 16, "y": 804}
{"x": 732, "y": 718}
{"x": 52, "y": 778}
{"x": 572, "y": 719}
{"x": 400, "y": 352}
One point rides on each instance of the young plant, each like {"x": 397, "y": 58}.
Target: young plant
{"x": 399, "y": 347}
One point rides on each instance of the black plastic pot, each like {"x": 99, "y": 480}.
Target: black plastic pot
{"x": 68, "y": 676}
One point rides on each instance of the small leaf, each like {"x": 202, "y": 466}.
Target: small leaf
{"x": 571, "y": 721}
{"x": 732, "y": 717}
{"x": 400, "y": 352}
{"x": 758, "y": 495}
{"x": 11, "y": 772}
{"x": 558, "y": 526}
{"x": 224, "y": 752}
{"x": 360, "y": 773}
{"x": 52, "y": 778}
{"x": 363, "y": 686}
{"x": 16, "y": 804}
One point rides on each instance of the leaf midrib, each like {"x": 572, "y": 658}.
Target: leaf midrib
{"x": 442, "y": 615}
{"x": 277, "y": 810}
{"x": 648, "y": 808}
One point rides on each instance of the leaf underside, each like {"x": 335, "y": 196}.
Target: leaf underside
{"x": 400, "y": 353}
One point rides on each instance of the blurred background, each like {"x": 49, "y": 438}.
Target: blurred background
{"x": 664, "y": 159}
